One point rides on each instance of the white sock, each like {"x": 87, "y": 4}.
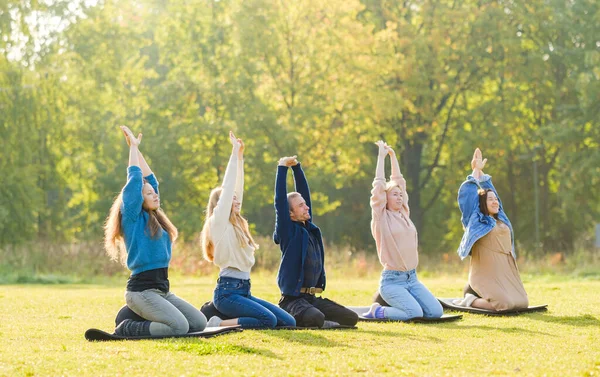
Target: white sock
{"x": 214, "y": 321}
{"x": 469, "y": 298}
{"x": 375, "y": 311}
{"x": 467, "y": 301}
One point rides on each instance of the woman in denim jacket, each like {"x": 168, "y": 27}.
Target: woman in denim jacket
{"x": 494, "y": 281}
{"x": 227, "y": 242}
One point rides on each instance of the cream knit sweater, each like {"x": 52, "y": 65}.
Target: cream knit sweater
{"x": 228, "y": 251}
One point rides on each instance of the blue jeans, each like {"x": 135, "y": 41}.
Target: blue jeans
{"x": 407, "y": 296}
{"x": 232, "y": 297}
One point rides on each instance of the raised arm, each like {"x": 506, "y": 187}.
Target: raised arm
{"x": 468, "y": 200}
{"x": 468, "y": 197}
{"x": 146, "y": 171}
{"x": 398, "y": 179}
{"x": 301, "y": 184}
{"x": 477, "y": 164}
{"x": 132, "y": 192}
{"x": 223, "y": 208}
{"x": 133, "y": 143}
{"x": 239, "y": 181}
{"x": 378, "y": 199}
{"x": 283, "y": 222}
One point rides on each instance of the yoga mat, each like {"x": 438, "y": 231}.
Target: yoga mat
{"x": 447, "y": 303}
{"x": 209, "y": 332}
{"x": 360, "y": 310}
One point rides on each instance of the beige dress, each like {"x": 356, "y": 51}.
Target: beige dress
{"x": 493, "y": 273}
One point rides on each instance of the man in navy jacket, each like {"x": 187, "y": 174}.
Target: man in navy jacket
{"x": 301, "y": 273}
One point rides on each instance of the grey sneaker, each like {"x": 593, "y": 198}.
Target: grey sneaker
{"x": 330, "y": 324}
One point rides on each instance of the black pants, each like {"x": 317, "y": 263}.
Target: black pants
{"x": 311, "y": 311}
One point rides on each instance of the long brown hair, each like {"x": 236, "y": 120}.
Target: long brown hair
{"x": 113, "y": 232}
{"x": 240, "y": 225}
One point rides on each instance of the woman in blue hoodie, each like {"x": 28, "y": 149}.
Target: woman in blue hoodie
{"x": 139, "y": 234}
{"x": 494, "y": 281}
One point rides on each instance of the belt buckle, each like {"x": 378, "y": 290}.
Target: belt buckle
{"x": 312, "y": 290}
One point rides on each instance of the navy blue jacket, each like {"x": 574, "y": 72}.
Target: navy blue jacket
{"x": 291, "y": 236}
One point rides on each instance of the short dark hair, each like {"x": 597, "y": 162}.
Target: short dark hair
{"x": 483, "y": 201}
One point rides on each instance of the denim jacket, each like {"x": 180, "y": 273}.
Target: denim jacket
{"x": 475, "y": 223}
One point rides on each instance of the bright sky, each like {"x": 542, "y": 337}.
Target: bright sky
{"x": 42, "y": 25}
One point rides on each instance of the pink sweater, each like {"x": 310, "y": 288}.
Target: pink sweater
{"x": 394, "y": 233}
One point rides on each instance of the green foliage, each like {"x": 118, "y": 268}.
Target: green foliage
{"x": 322, "y": 80}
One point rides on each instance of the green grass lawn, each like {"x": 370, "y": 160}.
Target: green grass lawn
{"x": 42, "y": 327}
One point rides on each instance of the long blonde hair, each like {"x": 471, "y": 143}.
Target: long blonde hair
{"x": 240, "y": 225}
{"x": 113, "y": 231}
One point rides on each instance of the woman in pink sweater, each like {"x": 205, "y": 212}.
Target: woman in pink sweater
{"x": 396, "y": 240}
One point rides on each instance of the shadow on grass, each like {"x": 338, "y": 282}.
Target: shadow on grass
{"x": 584, "y": 320}
{"x": 400, "y": 335}
{"x": 306, "y": 337}
{"x": 202, "y": 348}
{"x": 509, "y": 330}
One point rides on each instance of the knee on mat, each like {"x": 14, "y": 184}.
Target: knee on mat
{"x": 179, "y": 326}
{"x": 312, "y": 317}
{"x": 349, "y": 318}
{"x": 434, "y": 312}
{"x": 289, "y": 322}
{"x": 268, "y": 320}
{"x": 198, "y": 323}
{"x": 416, "y": 312}
{"x": 505, "y": 302}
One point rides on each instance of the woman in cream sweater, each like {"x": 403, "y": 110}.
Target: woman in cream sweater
{"x": 396, "y": 240}
{"x": 226, "y": 241}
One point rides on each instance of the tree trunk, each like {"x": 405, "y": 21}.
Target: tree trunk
{"x": 412, "y": 156}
